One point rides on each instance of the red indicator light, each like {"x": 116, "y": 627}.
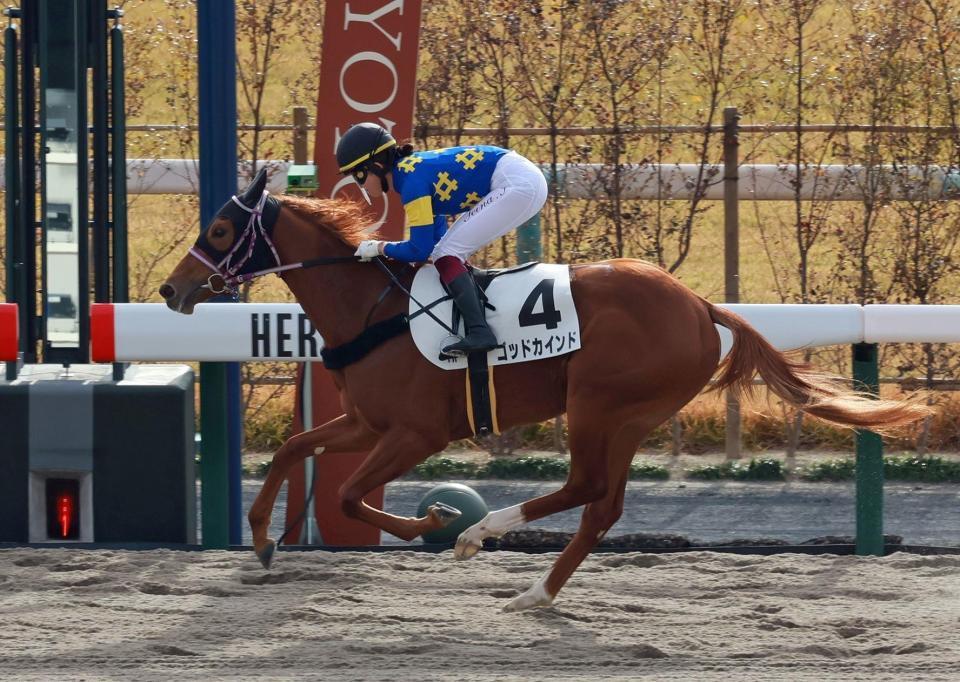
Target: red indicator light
{"x": 65, "y": 513}
{"x": 63, "y": 508}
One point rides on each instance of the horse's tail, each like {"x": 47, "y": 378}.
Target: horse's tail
{"x": 816, "y": 393}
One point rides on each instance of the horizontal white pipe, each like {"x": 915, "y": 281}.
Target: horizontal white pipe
{"x": 911, "y": 323}
{"x": 181, "y": 176}
{"x": 280, "y": 331}
{"x": 795, "y": 326}
{"x": 764, "y": 182}
{"x": 216, "y": 332}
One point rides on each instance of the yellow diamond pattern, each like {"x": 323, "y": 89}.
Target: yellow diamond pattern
{"x": 444, "y": 186}
{"x": 472, "y": 200}
{"x": 408, "y": 163}
{"x": 469, "y": 157}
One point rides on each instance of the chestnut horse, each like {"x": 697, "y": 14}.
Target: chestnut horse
{"x": 649, "y": 346}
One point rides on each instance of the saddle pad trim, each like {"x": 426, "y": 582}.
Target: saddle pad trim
{"x": 469, "y": 391}
{"x": 493, "y": 399}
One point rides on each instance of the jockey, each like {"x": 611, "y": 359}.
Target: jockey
{"x": 492, "y": 190}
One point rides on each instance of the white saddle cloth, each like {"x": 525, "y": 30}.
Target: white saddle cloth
{"x": 535, "y": 317}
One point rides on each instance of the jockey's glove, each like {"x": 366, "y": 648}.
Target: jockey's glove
{"x": 369, "y": 249}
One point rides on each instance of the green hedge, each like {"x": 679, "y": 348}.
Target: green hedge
{"x": 903, "y": 468}
{"x": 523, "y": 468}
{"x": 927, "y": 469}
{"x": 754, "y": 470}
{"x": 830, "y": 470}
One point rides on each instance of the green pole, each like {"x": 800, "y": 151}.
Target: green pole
{"x": 528, "y": 241}
{"x": 529, "y": 235}
{"x": 866, "y": 377}
{"x": 215, "y": 497}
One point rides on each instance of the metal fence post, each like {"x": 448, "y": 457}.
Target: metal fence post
{"x": 300, "y": 135}
{"x": 731, "y": 252}
{"x": 866, "y": 376}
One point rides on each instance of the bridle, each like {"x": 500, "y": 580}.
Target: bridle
{"x": 226, "y": 277}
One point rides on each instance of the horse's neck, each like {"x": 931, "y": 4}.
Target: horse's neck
{"x": 337, "y": 298}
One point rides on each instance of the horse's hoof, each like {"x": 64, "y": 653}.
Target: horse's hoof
{"x": 466, "y": 548}
{"x": 266, "y": 554}
{"x": 444, "y": 513}
{"x": 536, "y": 596}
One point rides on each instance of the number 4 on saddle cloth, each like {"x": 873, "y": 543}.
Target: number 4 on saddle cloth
{"x": 529, "y": 308}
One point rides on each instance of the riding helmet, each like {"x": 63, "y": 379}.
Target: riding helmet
{"x": 360, "y": 144}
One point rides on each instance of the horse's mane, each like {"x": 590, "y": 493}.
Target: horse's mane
{"x": 345, "y": 219}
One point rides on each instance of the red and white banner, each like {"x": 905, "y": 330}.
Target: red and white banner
{"x": 368, "y": 73}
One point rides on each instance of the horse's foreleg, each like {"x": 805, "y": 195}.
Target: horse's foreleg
{"x": 394, "y": 455}
{"x": 598, "y": 517}
{"x": 343, "y": 434}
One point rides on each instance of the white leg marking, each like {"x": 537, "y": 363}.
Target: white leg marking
{"x": 319, "y": 450}
{"x": 493, "y": 525}
{"x": 536, "y": 596}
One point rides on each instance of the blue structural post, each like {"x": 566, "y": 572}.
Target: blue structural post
{"x": 219, "y": 382}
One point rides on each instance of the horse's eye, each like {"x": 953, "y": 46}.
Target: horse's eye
{"x": 219, "y": 232}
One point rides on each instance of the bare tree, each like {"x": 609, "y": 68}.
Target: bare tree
{"x": 792, "y": 23}
{"x": 927, "y": 226}
{"x": 449, "y": 69}
{"x": 873, "y": 74}
{"x": 629, "y": 44}
{"x": 545, "y": 38}
{"x": 708, "y": 32}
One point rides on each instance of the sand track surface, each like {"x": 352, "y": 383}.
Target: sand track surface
{"x": 395, "y": 616}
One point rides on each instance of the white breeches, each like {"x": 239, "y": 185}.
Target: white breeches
{"x": 518, "y": 191}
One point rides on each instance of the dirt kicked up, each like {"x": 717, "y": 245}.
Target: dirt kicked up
{"x": 405, "y": 615}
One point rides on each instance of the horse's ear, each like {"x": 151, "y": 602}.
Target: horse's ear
{"x": 251, "y": 195}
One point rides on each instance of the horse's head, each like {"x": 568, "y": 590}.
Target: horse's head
{"x": 237, "y": 242}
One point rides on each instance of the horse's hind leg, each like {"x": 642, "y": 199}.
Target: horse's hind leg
{"x": 586, "y": 482}
{"x": 598, "y": 517}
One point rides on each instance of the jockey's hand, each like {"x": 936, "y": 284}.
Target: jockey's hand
{"x": 369, "y": 249}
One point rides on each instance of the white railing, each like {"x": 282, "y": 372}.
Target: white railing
{"x": 245, "y": 332}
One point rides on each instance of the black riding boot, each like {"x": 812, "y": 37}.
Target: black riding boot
{"x": 479, "y": 337}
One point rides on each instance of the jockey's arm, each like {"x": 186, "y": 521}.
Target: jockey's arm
{"x": 425, "y": 231}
